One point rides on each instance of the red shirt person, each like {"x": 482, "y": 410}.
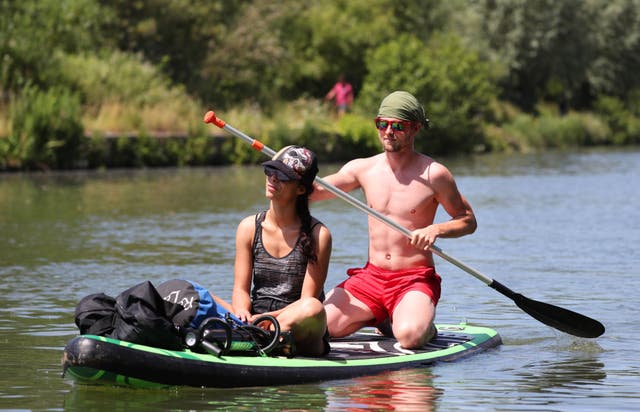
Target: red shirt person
{"x": 342, "y": 93}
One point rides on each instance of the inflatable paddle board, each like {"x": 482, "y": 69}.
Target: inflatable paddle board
{"x": 96, "y": 359}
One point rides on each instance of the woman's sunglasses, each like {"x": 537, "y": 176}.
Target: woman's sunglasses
{"x": 396, "y": 125}
{"x": 270, "y": 172}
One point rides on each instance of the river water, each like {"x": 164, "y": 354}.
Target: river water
{"x": 562, "y": 228}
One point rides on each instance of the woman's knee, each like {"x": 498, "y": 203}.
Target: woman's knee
{"x": 311, "y": 307}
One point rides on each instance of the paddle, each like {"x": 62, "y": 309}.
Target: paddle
{"x": 551, "y": 315}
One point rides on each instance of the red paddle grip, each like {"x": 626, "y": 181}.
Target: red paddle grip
{"x": 210, "y": 117}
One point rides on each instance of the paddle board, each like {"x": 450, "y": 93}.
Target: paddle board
{"x": 96, "y": 359}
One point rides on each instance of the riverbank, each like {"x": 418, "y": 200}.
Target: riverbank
{"x": 50, "y": 141}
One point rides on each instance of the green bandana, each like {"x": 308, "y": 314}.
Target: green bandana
{"x": 404, "y": 106}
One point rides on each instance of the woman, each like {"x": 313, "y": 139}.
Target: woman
{"x": 284, "y": 253}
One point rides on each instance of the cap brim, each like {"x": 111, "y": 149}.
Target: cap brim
{"x": 278, "y": 165}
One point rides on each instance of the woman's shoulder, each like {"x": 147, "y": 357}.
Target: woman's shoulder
{"x": 317, "y": 227}
{"x": 315, "y": 222}
{"x": 249, "y": 222}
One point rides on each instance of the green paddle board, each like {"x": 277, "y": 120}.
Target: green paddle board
{"x": 96, "y": 359}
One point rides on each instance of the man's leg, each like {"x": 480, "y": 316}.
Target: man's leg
{"x": 413, "y": 320}
{"x": 345, "y": 313}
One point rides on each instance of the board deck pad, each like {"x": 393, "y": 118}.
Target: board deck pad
{"x": 95, "y": 359}
{"x": 364, "y": 345}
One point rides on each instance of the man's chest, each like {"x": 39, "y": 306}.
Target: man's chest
{"x": 388, "y": 195}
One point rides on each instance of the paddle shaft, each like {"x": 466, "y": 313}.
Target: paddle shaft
{"x": 259, "y": 146}
{"x": 557, "y": 317}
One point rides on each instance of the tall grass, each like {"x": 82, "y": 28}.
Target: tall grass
{"x": 123, "y": 93}
{"x": 523, "y": 132}
{"x": 46, "y": 131}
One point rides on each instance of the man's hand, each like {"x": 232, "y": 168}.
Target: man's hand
{"x": 423, "y": 238}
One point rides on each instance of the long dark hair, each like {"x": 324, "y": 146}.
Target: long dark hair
{"x": 302, "y": 208}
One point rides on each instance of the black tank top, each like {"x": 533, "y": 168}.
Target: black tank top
{"x": 277, "y": 282}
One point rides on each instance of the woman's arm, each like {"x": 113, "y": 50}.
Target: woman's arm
{"x": 241, "y": 295}
{"x": 317, "y": 271}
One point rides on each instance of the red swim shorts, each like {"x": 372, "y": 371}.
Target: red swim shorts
{"x": 381, "y": 289}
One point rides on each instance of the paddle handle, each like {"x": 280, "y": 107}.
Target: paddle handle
{"x": 210, "y": 117}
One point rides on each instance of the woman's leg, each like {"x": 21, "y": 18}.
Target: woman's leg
{"x": 307, "y": 320}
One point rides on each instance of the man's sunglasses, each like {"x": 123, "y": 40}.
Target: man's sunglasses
{"x": 270, "y": 172}
{"x": 396, "y": 125}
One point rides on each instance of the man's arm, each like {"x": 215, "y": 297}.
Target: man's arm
{"x": 463, "y": 220}
{"x": 345, "y": 179}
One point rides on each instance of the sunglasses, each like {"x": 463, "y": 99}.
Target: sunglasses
{"x": 396, "y": 125}
{"x": 270, "y": 172}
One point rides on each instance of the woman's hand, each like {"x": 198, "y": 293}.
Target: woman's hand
{"x": 244, "y": 315}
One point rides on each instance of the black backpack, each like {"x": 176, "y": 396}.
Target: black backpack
{"x": 137, "y": 315}
{"x": 95, "y": 314}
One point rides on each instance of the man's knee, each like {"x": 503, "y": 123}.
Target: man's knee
{"x": 412, "y": 336}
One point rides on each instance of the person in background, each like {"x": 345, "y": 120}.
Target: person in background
{"x": 282, "y": 255}
{"x": 342, "y": 93}
{"x": 399, "y": 282}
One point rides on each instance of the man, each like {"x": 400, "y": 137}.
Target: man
{"x": 399, "y": 282}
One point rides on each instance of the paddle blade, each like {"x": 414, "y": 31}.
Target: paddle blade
{"x": 562, "y": 319}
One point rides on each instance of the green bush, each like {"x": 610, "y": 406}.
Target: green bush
{"x": 451, "y": 82}
{"x": 356, "y": 136}
{"x": 96, "y": 151}
{"x": 526, "y": 132}
{"x": 201, "y": 151}
{"x": 46, "y": 128}
{"x": 621, "y": 118}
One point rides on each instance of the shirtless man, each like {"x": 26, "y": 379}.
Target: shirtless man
{"x": 399, "y": 282}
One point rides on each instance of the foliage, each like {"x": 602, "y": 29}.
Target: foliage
{"x": 451, "y": 82}
{"x": 46, "y": 128}
{"x": 480, "y": 67}
{"x": 359, "y": 132}
{"x": 332, "y": 38}
{"x": 30, "y": 31}
{"x": 176, "y": 35}
{"x": 621, "y": 118}
{"x": 614, "y": 71}
{"x": 122, "y": 92}
{"x": 525, "y": 132}
{"x": 152, "y": 152}
{"x": 294, "y": 49}
{"x": 250, "y": 65}
{"x": 304, "y": 122}
{"x": 562, "y": 51}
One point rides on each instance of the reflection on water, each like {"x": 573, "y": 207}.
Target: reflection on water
{"x": 559, "y": 227}
{"x": 296, "y": 398}
{"x": 560, "y": 376}
{"x": 409, "y": 390}
{"x": 405, "y": 390}
{"x": 286, "y": 398}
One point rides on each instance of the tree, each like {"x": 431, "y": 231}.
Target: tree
{"x": 615, "y": 69}
{"x": 177, "y": 35}
{"x": 31, "y": 31}
{"x": 563, "y": 51}
{"x": 452, "y": 83}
